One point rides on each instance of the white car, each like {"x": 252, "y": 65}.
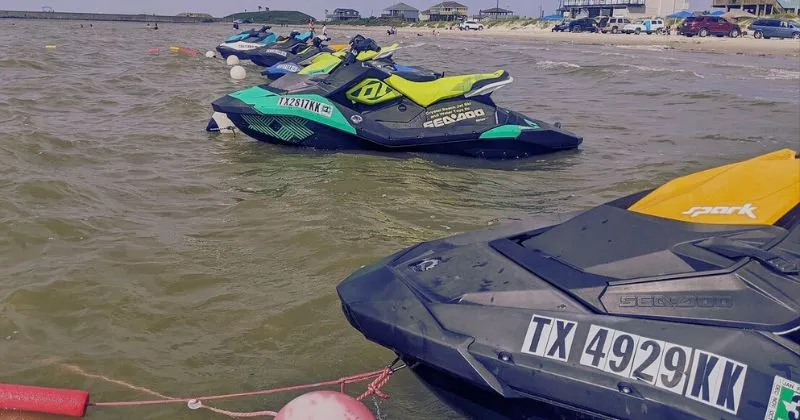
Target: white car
{"x": 470, "y": 24}
{"x": 656, "y": 25}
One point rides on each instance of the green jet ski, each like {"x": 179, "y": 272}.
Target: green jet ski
{"x": 349, "y": 104}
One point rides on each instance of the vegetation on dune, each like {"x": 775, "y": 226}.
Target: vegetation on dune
{"x": 289, "y": 17}
{"x": 371, "y": 21}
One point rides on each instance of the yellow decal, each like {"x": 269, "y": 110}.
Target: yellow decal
{"x": 372, "y": 91}
{"x": 757, "y": 191}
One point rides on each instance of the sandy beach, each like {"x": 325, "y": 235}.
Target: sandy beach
{"x": 746, "y": 45}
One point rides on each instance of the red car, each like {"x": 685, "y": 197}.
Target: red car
{"x": 709, "y": 25}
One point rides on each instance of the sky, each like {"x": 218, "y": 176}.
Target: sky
{"x": 314, "y": 8}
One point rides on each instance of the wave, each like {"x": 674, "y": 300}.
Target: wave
{"x": 548, "y": 65}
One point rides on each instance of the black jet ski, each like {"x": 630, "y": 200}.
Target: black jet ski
{"x": 280, "y": 50}
{"x": 294, "y": 62}
{"x": 681, "y": 302}
{"x": 367, "y": 105}
{"x": 240, "y": 44}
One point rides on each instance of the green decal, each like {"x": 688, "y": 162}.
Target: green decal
{"x": 784, "y": 402}
{"x": 288, "y": 129}
{"x": 506, "y": 132}
{"x": 311, "y": 107}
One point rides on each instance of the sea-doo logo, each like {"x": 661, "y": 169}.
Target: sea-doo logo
{"x": 453, "y": 118}
{"x": 664, "y": 301}
{"x": 248, "y": 45}
{"x": 744, "y": 210}
{"x": 294, "y": 68}
{"x": 784, "y": 400}
{"x": 307, "y": 104}
{"x": 277, "y": 52}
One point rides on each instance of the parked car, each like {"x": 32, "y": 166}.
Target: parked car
{"x": 709, "y": 25}
{"x": 612, "y": 24}
{"x": 775, "y": 28}
{"x": 577, "y": 25}
{"x": 647, "y": 26}
{"x": 470, "y": 24}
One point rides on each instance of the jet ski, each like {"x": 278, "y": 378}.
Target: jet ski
{"x": 252, "y": 33}
{"x": 267, "y": 55}
{"x": 681, "y": 302}
{"x": 368, "y": 105}
{"x": 240, "y": 44}
{"x": 293, "y": 63}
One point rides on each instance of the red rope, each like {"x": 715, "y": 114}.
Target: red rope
{"x": 375, "y": 386}
{"x": 381, "y": 377}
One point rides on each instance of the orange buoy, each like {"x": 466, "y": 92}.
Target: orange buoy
{"x": 324, "y": 405}
{"x": 65, "y": 402}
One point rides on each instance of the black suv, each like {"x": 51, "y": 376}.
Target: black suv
{"x": 577, "y": 25}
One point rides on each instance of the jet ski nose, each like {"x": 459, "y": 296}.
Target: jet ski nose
{"x": 212, "y": 126}
{"x": 220, "y": 123}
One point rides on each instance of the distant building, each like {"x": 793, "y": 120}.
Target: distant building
{"x": 759, "y": 7}
{"x": 196, "y": 15}
{"x": 495, "y": 13}
{"x": 344, "y": 14}
{"x": 630, "y": 8}
{"x": 448, "y": 10}
{"x": 401, "y": 11}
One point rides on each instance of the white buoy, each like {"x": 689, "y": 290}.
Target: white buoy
{"x": 238, "y": 72}
{"x": 232, "y": 60}
{"x": 210, "y": 54}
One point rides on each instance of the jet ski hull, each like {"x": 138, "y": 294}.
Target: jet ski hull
{"x": 313, "y": 121}
{"x": 608, "y": 313}
{"x": 229, "y": 50}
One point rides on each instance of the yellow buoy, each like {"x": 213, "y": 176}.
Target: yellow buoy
{"x": 50, "y": 46}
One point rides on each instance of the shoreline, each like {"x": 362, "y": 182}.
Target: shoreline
{"x": 739, "y": 46}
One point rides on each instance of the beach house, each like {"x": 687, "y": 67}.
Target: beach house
{"x": 630, "y": 8}
{"x": 401, "y": 11}
{"x": 448, "y": 10}
{"x": 495, "y": 13}
{"x": 759, "y": 7}
{"x": 344, "y": 14}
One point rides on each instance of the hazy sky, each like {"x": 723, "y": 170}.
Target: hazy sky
{"x": 312, "y": 7}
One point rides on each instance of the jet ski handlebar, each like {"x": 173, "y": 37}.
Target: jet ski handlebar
{"x": 359, "y": 44}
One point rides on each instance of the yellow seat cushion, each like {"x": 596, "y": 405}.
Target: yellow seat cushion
{"x": 427, "y": 93}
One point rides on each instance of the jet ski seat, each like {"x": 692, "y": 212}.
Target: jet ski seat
{"x": 415, "y": 74}
{"x": 430, "y": 92}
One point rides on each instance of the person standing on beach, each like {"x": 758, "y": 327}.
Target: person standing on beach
{"x": 311, "y": 25}
{"x": 324, "y": 30}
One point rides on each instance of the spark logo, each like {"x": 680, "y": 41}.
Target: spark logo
{"x": 744, "y": 210}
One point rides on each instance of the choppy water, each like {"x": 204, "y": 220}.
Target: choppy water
{"x": 137, "y": 246}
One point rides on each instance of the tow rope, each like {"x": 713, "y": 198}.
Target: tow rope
{"x": 74, "y": 402}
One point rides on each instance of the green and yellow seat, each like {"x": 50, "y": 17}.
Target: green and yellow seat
{"x": 428, "y": 93}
